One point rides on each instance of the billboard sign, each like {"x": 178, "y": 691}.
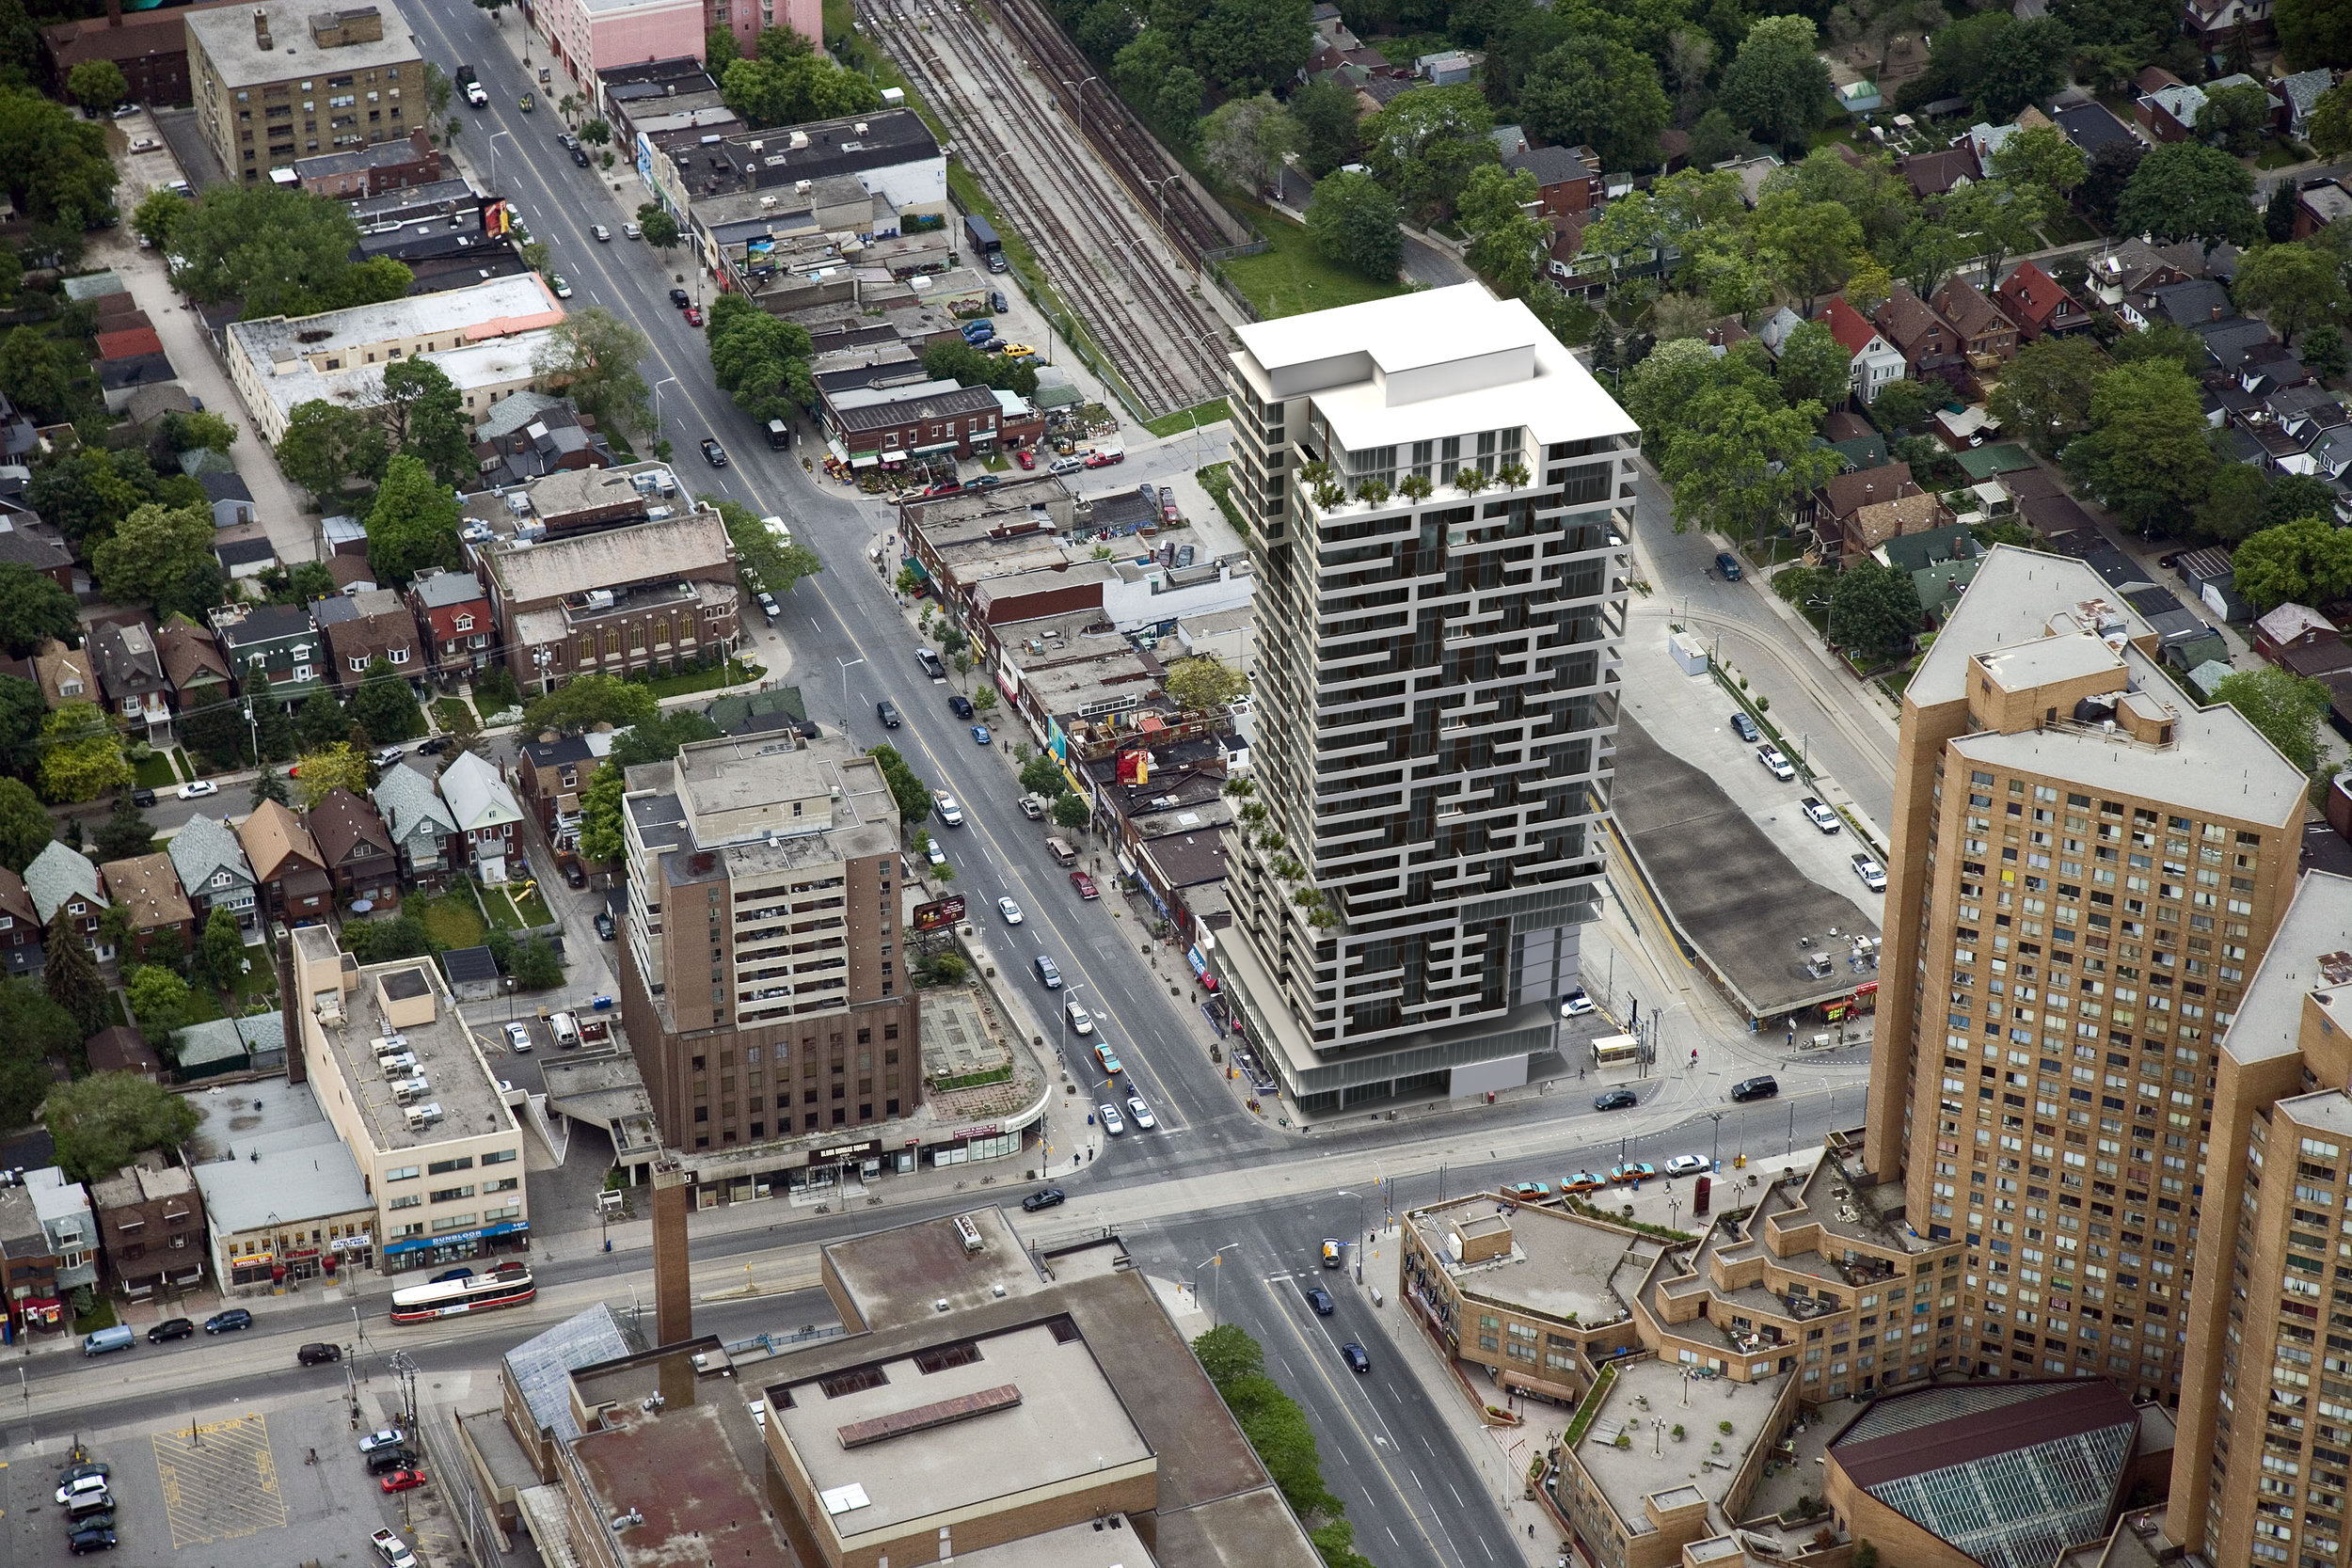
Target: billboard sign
{"x": 939, "y": 914}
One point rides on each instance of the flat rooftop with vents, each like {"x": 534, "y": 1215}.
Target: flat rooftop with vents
{"x": 887, "y": 1448}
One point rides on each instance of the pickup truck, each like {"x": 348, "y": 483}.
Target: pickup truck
{"x": 393, "y": 1550}
{"x": 1818, "y": 815}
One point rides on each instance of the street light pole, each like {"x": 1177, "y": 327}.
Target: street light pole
{"x": 1080, "y": 89}
{"x": 494, "y": 157}
{"x": 845, "y": 664}
{"x": 665, "y": 381}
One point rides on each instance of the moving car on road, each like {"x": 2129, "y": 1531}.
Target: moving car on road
{"x": 1320, "y": 1299}
{"x": 319, "y": 1353}
{"x": 1762, "y": 1086}
{"x": 1111, "y": 1123}
{"x": 1108, "y": 1060}
{"x": 602, "y": 234}
{"x": 1356, "y": 1356}
{"x": 1081, "y": 1022}
{"x": 713, "y": 454}
{"x": 228, "y": 1321}
{"x": 1615, "y": 1099}
{"x": 1140, "y": 1113}
{"x": 980, "y": 734}
{"x": 1044, "y": 1198}
{"x": 1010, "y": 910}
{"x": 1047, "y": 973}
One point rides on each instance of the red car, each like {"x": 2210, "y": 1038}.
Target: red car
{"x": 403, "y": 1481}
{"x": 1084, "y": 884}
{"x": 1027, "y": 456}
{"x": 693, "y": 315}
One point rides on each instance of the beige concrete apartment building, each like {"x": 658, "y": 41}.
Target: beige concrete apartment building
{"x": 764, "y": 984}
{"x": 2085, "y": 869}
{"x": 280, "y": 81}
{"x": 403, "y": 1081}
{"x": 2265, "y": 1459}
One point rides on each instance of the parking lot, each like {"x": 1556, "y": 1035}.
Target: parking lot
{"x": 222, "y": 1485}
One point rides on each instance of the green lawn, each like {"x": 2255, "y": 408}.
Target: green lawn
{"x": 257, "y": 983}
{"x": 155, "y": 772}
{"x": 532, "y": 907}
{"x": 450, "y": 920}
{"x": 203, "y": 1004}
{"x": 2279, "y": 155}
{"x": 1218, "y": 480}
{"x": 180, "y": 761}
{"x": 2065, "y": 228}
{"x": 1288, "y": 278}
{"x": 498, "y": 908}
{"x": 449, "y": 711}
{"x": 1181, "y": 421}
{"x": 733, "y": 673}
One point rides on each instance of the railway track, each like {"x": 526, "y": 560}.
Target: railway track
{"x": 1116, "y": 269}
{"x": 1105, "y": 122}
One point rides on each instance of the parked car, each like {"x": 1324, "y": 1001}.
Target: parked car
{"x": 1728, "y": 564}
{"x": 1631, "y": 1171}
{"x": 574, "y": 875}
{"x": 98, "y": 1467}
{"x": 384, "y": 1460}
{"x": 391, "y": 1437}
{"x": 1320, "y": 1299}
{"x": 518, "y": 1037}
{"x": 1527, "y": 1192}
{"x": 1080, "y": 1019}
{"x": 1140, "y": 1113}
{"x": 1582, "y": 1181}
{"x": 1819, "y": 815}
{"x": 959, "y": 705}
{"x": 680, "y": 298}
{"x": 1010, "y": 910}
{"x": 142, "y": 796}
{"x": 1111, "y": 1123}
{"x": 1873, "y": 875}
{"x": 90, "y": 1538}
{"x": 693, "y": 315}
{"x": 1044, "y": 1198}
{"x": 228, "y": 1321}
{"x": 1615, "y": 1099}
{"x": 1762, "y": 1086}
{"x": 1575, "y": 1004}
{"x": 434, "y": 747}
{"x": 931, "y": 666}
{"x": 1356, "y": 1357}
{"x": 403, "y": 1480}
{"x": 1686, "y": 1165}
{"x": 1047, "y": 973}
{"x": 1744, "y": 727}
{"x": 579, "y": 155}
{"x": 319, "y": 1353}
{"x": 1776, "y": 762}
{"x": 996, "y": 301}
{"x": 86, "y": 1485}
{"x": 1084, "y": 884}
{"x": 198, "y": 789}
{"x": 1066, "y": 465}
{"x": 171, "y": 1329}
{"x": 714, "y": 453}
{"x": 605, "y": 929}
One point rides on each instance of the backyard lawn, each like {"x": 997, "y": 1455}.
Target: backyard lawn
{"x": 449, "y": 919}
{"x": 510, "y": 914}
{"x": 1288, "y": 278}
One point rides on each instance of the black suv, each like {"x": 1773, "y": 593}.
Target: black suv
{"x": 1762, "y": 1086}
{"x": 393, "y": 1457}
{"x": 171, "y": 1329}
{"x": 959, "y": 705}
{"x": 888, "y": 711}
{"x": 319, "y": 1355}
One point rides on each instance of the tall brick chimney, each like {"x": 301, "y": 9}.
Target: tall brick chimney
{"x": 672, "y": 1289}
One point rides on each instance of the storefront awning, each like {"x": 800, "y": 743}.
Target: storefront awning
{"x": 864, "y": 460}
{"x": 934, "y": 447}
{"x": 504, "y": 1228}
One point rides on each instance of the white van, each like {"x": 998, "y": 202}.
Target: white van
{"x": 566, "y": 1030}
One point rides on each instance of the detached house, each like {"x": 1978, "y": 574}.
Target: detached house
{"x": 288, "y": 870}
{"x": 1838, "y": 504}
{"x": 1876, "y": 361}
{"x": 64, "y": 674}
{"x": 276, "y": 641}
{"x": 213, "y": 871}
{"x": 455, "y": 614}
{"x": 352, "y": 839}
{"x": 418, "y": 824}
{"x": 192, "y": 662}
{"x": 365, "y": 627}
{"x": 1926, "y": 342}
{"x": 130, "y": 670}
{"x": 2032, "y": 299}
{"x": 64, "y": 886}
{"x": 148, "y": 889}
{"x": 1987, "y": 337}
{"x": 551, "y": 774}
{"x": 20, "y": 927}
{"x": 484, "y": 811}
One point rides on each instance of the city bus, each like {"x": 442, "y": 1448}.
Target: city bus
{"x": 508, "y": 1284}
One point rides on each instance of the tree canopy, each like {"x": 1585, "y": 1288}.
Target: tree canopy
{"x": 413, "y": 524}
{"x": 761, "y": 360}
{"x": 2287, "y": 707}
{"x": 1422, "y": 147}
{"x": 2146, "y": 452}
{"x": 586, "y": 702}
{"x": 1352, "y": 221}
{"x": 2189, "y": 191}
{"x": 385, "y": 705}
{"x": 325, "y": 446}
{"x": 341, "y": 765}
{"x": 277, "y": 249}
{"x": 1996, "y": 61}
{"x": 1597, "y": 92}
{"x": 788, "y": 83}
{"x": 425, "y": 417}
{"x": 1777, "y": 89}
{"x": 34, "y": 608}
{"x": 56, "y": 167}
{"x": 81, "y": 754}
{"x": 2308, "y": 560}
{"x": 103, "y": 1122}
{"x": 594, "y": 355}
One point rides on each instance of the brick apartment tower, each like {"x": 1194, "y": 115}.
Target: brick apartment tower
{"x": 2262, "y": 1463}
{"x": 673, "y": 1282}
{"x": 2086, "y": 868}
